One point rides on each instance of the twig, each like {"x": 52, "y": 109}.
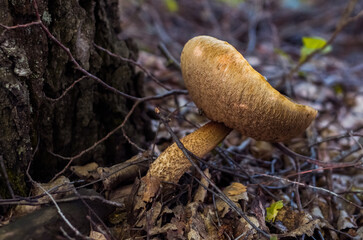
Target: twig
{"x": 19, "y": 26}
{"x": 221, "y": 194}
{"x": 33, "y": 201}
{"x": 75, "y": 230}
{"x": 131, "y": 142}
{"x": 94, "y": 145}
{"x": 355, "y": 148}
{"x": 250, "y": 178}
{"x": 312, "y": 187}
{"x": 100, "y": 230}
{"x": 288, "y": 152}
{"x": 297, "y": 193}
{"x": 92, "y": 198}
{"x": 80, "y": 154}
{"x": 93, "y": 213}
{"x": 168, "y": 55}
{"x": 334, "y": 138}
{"x": 66, "y": 91}
{"x": 148, "y": 73}
{"x": 345, "y": 20}
{"x": 66, "y": 234}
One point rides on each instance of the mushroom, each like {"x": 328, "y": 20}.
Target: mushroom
{"x": 233, "y": 95}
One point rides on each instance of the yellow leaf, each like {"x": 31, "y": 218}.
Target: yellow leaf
{"x": 311, "y": 44}
{"x": 273, "y": 209}
{"x": 172, "y": 5}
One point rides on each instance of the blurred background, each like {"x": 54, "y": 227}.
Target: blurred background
{"x": 268, "y": 32}
{"x": 274, "y": 36}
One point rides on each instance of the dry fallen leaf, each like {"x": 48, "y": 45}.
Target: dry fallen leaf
{"x": 97, "y": 236}
{"x": 345, "y": 221}
{"x": 61, "y": 184}
{"x": 236, "y": 191}
{"x": 200, "y": 224}
{"x": 152, "y": 186}
{"x": 298, "y": 223}
{"x": 244, "y": 230}
{"x": 86, "y": 171}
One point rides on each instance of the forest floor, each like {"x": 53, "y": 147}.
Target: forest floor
{"x": 321, "y": 200}
{"x": 310, "y": 187}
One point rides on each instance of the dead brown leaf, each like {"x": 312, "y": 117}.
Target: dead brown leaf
{"x": 236, "y": 191}
{"x": 87, "y": 171}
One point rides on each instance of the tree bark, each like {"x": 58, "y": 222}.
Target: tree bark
{"x": 34, "y": 67}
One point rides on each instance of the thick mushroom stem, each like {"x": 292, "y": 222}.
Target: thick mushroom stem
{"x": 172, "y": 163}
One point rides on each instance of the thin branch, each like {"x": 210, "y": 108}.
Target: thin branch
{"x": 165, "y": 51}
{"x": 345, "y": 20}
{"x": 75, "y": 230}
{"x": 312, "y": 187}
{"x": 94, "y": 214}
{"x": 289, "y": 152}
{"x": 250, "y": 178}
{"x": 66, "y": 91}
{"x": 147, "y": 72}
{"x": 80, "y": 154}
{"x": 18, "y": 26}
{"x": 131, "y": 142}
{"x": 71, "y": 159}
{"x": 337, "y": 137}
{"x": 35, "y": 202}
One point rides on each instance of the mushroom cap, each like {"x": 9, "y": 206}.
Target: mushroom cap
{"x": 227, "y": 89}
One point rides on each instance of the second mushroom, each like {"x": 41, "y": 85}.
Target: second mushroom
{"x": 233, "y": 95}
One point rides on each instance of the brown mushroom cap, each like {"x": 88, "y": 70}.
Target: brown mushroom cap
{"x": 227, "y": 89}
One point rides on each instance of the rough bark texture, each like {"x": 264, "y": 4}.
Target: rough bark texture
{"x": 32, "y": 66}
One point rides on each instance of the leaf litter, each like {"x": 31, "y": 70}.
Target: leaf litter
{"x": 329, "y": 82}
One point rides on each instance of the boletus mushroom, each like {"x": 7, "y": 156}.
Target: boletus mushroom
{"x": 234, "y": 96}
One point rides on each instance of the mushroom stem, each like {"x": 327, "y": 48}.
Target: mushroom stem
{"x": 172, "y": 163}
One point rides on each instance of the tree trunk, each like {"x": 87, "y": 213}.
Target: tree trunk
{"x": 33, "y": 68}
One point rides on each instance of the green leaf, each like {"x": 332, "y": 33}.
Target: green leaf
{"x": 273, "y": 238}
{"x": 172, "y": 5}
{"x": 273, "y": 209}
{"x": 311, "y": 44}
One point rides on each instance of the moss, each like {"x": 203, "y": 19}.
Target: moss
{"x": 17, "y": 183}
{"x": 47, "y": 18}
